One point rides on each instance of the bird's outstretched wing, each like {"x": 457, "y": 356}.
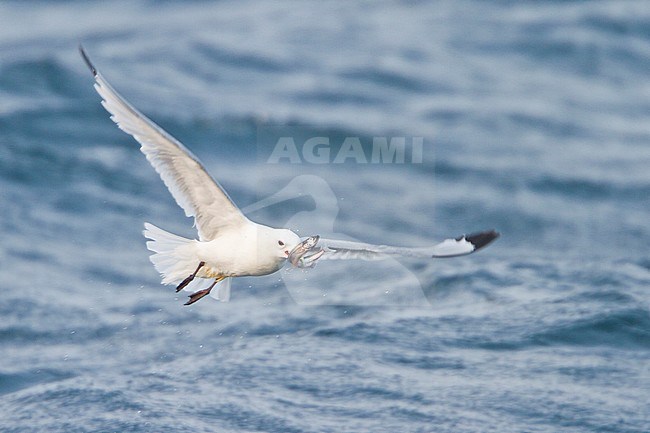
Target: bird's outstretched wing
{"x": 462, "y": 245}
{"x": 192, "y": 187}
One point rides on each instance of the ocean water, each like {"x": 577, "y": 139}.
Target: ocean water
{"x": 535, "y": 119}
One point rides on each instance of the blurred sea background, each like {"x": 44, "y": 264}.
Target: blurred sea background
{"x": 536, "y": 122}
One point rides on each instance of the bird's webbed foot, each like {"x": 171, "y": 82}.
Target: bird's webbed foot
{"x": 197, "y": 295}
{"x": 189, "y": 279}
{"x": 202, "y": 293}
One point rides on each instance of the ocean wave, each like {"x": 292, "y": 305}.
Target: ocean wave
{"x": 625, "y": 329}
{"x": 13, "y": 382}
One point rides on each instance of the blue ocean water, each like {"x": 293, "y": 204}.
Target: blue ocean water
{"x": 536, "y": 121}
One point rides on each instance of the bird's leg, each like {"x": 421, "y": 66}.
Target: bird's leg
{"x": 189, "y": 279}
{"x": 201, "y": 293}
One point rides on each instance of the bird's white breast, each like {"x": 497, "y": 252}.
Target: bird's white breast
{"x": 245, "y": 252}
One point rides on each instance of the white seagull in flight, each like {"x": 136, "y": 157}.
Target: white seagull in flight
{"x": 231, "y": 245}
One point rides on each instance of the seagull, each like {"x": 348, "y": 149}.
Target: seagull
{"x": 229, "y": 244}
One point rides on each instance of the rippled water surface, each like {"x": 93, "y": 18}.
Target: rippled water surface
{"x": 535, "y": 118}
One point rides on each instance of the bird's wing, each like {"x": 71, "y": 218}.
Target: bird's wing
{"x": 192, "y": 187}
{"x": 346, "y": 250}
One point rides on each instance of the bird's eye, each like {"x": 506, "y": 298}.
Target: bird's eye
{"x": 281, "y": 243}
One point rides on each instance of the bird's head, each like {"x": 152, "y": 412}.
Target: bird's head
{"x": 285, "y": 242}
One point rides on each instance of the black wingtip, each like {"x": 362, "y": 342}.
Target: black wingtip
{"x": 482, "y": 239}
{"x": 87, "y": 60}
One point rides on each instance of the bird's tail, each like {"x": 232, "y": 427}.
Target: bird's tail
{"x": 174, "y": 256}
